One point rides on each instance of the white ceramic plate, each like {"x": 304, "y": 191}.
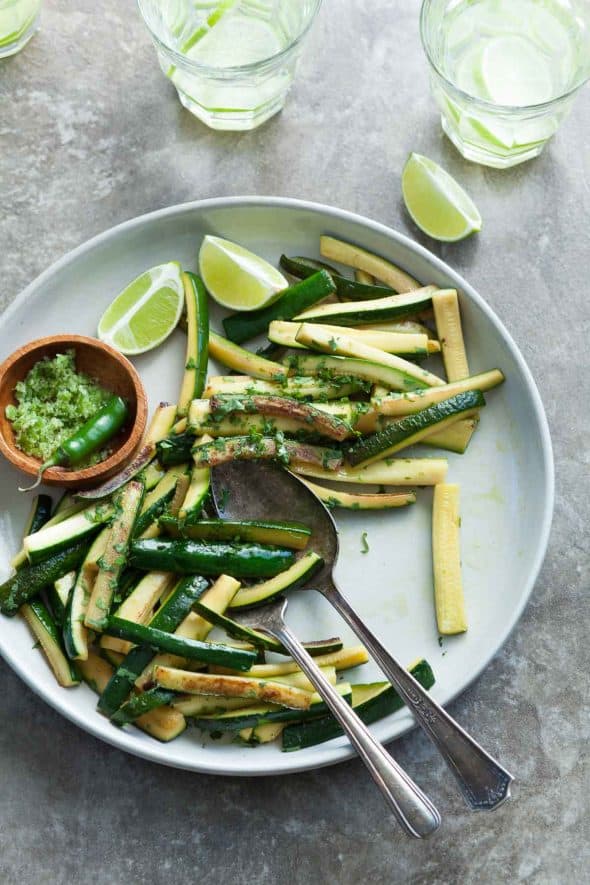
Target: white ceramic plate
{"x": 506, "y": 476}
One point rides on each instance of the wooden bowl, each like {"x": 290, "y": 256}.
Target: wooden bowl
{"x": 111, "y": 370}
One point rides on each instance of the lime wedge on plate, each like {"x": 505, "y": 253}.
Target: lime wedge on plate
{"x": 236, "y": 278}
{"x": 145, "y": 312}
{"x": 437, "y": 204}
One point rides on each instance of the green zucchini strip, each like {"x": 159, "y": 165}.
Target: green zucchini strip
{"x": 446, "y": 555}
{"x": 270, "y": 406}
{"x": 399, "y": 404}
{"x": 241, "y": 326}
{"x": 48, "y": 541}
{"x": 176, "y": 448}
{"x": 58, "y": 595}
{"x": 413, "y": 428}
{"x": 296, "y": 387}
{"x": 361, "y": 259}
{"x": 114, "y": 557}
{"x": 296, "y": 576}
{"x": 197, "y": 341}
{"x": 75, "y": 632}
{"x": 302, "y": 267}
{"x": 46, "y": 633}
{"x": 29, "y": 580}
{"x": 294, "y": 535}
{"x": 375, "y": 310}
{"x": 235, "y": 357}
{"x": 355, "y": 501}
{"x": 313, "y": 335}
{"x": 386, "y": 472}
{"x": 158, "y": 499}
{"x": 232, "y": 686}
{"x": 184, "y": 556}
{"x": 371, "y": 703}
{"x": 160, "y": 640}
{"x": 244, "y": 448}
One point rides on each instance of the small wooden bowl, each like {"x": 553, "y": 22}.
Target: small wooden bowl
{"x": 111, "y": 370}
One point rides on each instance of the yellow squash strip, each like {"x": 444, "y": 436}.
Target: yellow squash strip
{"x": 399, "y": 404}
{"x": 232, "y": 686}
{"x": 447, "y": 315}
{"x": 388, "y": 472}
{"x": 139, "y": 606}
{"x": 113, "y": 559}
{"x": 356, "y": 501}
{"x": 360, "y": 259}
{"x": 446, "y": 557}
{"x": 390, "y": 342}
{"x": 341, "y": 660}
{"x": 341, "y": 344}
{"x": 450, "y": 334}
{"x": 235, "y": 357}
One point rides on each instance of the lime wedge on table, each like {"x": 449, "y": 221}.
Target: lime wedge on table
{"x": 237, "y": 278}
{"x": 437, "y": 204}
{"x": 146, "y": 311}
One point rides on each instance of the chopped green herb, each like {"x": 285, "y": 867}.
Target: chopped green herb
{"x": 52, "y": 402}
{"x": 364, "y": 543}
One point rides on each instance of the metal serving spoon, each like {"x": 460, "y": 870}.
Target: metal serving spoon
{"x": 263, "y": 490}
{"x": 413, "y": 810}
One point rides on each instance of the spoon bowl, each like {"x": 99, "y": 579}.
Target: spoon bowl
{"x": 261, "y": 489}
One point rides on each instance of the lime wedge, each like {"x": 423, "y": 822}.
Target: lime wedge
{"x": 236, "y": 278}
{"x": 146, "y": 311}
{"x": 437, "y": 204}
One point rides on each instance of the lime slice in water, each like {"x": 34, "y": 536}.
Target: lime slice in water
{"x": 437, "y": 204}
{"x": 146, "y": 311}
{"x": 237, "y": 278}
{"x": 514, "y": 72}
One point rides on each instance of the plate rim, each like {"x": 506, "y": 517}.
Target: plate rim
{"x": 125, "y": 741}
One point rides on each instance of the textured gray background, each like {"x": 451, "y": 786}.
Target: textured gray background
{"x": 91, "y": 134}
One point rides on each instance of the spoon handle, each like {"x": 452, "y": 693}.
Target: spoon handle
{"x": 483, "y": 782}
{"x": 413, "y": 810}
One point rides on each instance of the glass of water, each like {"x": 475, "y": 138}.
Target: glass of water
{"x": 18, "y": 23}
{"x": 232, "y": 61}
{"x": 504, "y": 73}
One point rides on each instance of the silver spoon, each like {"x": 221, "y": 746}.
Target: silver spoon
{"x": 413, "y": 810}
{"x": 263, "y": 490}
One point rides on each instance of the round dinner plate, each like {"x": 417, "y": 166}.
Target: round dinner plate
{"x": 506, "y": 475}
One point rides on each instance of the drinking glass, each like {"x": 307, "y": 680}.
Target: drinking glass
{"x": 504, "y": 73}
{"x": 232, "y": 61}
{"x": 18, "y": 23}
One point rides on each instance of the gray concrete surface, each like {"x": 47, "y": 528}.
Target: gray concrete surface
{"x": 92, "y": 134}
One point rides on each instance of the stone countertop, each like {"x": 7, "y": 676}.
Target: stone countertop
{"x": 91, "y": 135}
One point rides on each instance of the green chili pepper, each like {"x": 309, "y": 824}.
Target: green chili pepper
{"x": 97, "y": 431}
